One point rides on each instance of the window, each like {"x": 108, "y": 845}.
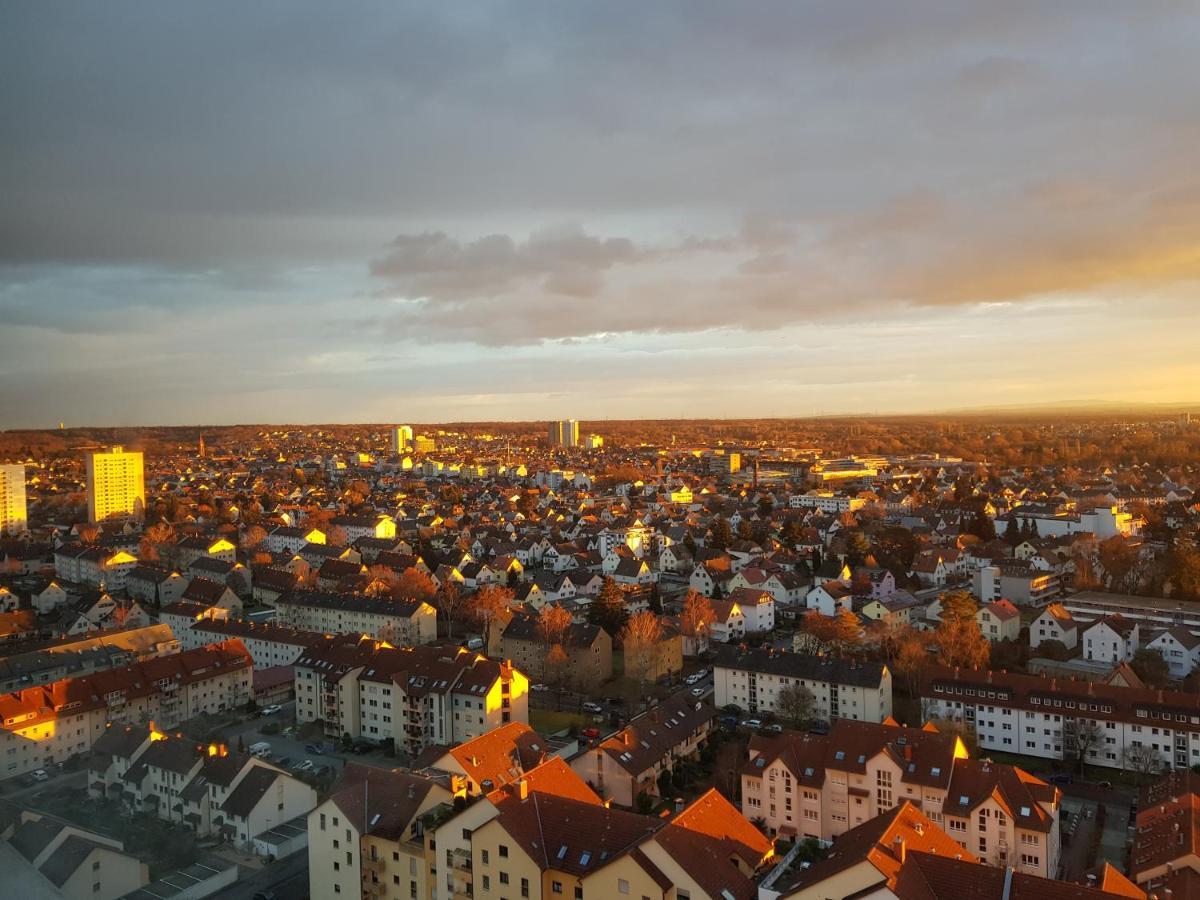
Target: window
{"x": 504, "y": 851}
{"x": 556, "y": 887}
{"x": 622, "y": 886}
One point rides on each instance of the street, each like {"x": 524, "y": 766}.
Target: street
{"x": 287, "y": 878}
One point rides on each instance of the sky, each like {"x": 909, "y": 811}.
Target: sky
{"x": 224, "y": 212}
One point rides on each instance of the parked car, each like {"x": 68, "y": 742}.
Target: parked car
{"x": 39, "y": 775}
{"x": 591, "y": 733}
{"x": 1106, "y": 785}
{"x": 729, "y": 721}
{"x": 283, "y": 761}
{"x": 539, "y": 687}
{"x": 1059, "y": 778}
{"x": 272, "y": 709}
{"x": 693, "y": 679}
{"x": 775, "y": 728}
{"x": 312, "y": 748}
{"x": 591, "y": 707}
{"x": 305, "y": 765}
{"x": 699, "y": 691}
{"x": 702, "y": 674}
{"x": 752, "y": 723}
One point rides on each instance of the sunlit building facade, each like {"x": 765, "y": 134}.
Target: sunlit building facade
{"x": 402, "y": 437}
{"x": 13, "y": 517}
{"x": 564, "y": 433}
{"x": 116, "y": 485}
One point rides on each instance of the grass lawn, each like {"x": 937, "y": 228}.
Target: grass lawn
{"x": 548, "y": 721}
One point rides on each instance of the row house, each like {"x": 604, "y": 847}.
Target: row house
{"x": 210, "y": 790}
{"x": 413, "y": 696}
{"x": 76, "y": 864}
{"x": 399, "y": 622}
{"x": 1060, "y": 719}
{"x": 51, "y": 723}
{"x": 99, "y": 610}
{"x": 751, "y": 679}
{"x": 629, "y": 763}
{"x": 819, "y": 786}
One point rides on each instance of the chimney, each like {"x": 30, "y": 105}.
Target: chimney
{"x": 907, "y": 753}
{"x": 899, "y": 849}
{"x": 523, "y": 789}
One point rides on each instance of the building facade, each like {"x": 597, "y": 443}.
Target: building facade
{"x": 116, "y": 485}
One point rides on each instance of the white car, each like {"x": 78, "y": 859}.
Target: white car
{"x": 752, "y": 723}
{"x": 699, "y": 691}
{"x": 304, "y": 766}
{"x": 692, "y": 679}
{"x": 702, "y": 674}
{"x": 39, "y": 775}
{"x": 539, "y": 687}
{"x": 272, "y": 709}
{"x": 591, "y": 707}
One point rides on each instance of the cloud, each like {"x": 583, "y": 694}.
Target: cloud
{"x": 562, "y": 260}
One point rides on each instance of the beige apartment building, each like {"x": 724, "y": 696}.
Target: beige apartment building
{"x": 116, "y": 485}
{"x": 544, "y": 836}
{"x": 821, "y": 786}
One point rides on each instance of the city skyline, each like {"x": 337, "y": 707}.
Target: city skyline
{"x": 778, "y": 211}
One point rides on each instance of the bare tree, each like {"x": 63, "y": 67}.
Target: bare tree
{"x": 1085, "y": 735}
{"x": 1142, "y": 759}
{"x": 796, "y": 705}
{"x": 640, "y": 639}
{"x": 697, "y": 615}
{"x": 554, "y": 623}
{"x": 449, "y": 603}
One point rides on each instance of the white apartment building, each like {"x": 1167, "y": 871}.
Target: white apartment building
{"x": 842, "y": 688}
{"x": 399, "y": 622}
{"x": 805, "y": 785}
{"x": 1055, "y": 718}
{"x": 414, "y": 696}
{"x": 826, "y": 502}
{"x": 267, "y": 643}
{"x": 116, "y": 484}
{"x": 13, "y": 517}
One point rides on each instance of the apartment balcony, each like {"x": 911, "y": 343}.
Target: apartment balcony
{"x": 460, "y": 860}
